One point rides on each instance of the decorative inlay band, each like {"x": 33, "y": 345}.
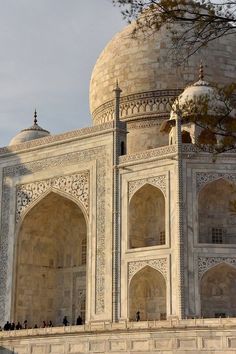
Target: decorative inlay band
{"x": 152, "y": 153}
{"x": 151, "y": 103}
{"x": 205, "y": 263}
{"x": 144, "y": 123}
{"x": 158, "y": 181}
{"x": 204, "y": 178}
{"x": 160, "y": 264}
{"x": 76, "y": 185}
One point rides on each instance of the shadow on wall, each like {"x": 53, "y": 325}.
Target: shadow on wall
{"x": 6, "y": 351}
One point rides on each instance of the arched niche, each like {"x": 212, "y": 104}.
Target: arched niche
{"x": 186, "y": 137}
{"x": 217, "y": 290}
{"x": 50, "y": 269}
{"x": 216, "y": 218}
{"x": 147, "y": 294}
{"x": 147, "y": 218}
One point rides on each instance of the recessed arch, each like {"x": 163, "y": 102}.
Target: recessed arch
{"x": 147, "y": 294}
{"x": 216, "y": 219}
{"x": 217, "y": 291}
{"x": 49, "y": 272}
{"x": 146, "y": 221}
{"x": 186, "y": 137}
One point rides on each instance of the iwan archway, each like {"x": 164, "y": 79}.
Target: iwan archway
{"x": 50, "y": 280}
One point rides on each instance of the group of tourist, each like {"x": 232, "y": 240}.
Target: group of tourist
{"x": 11, "y": 326}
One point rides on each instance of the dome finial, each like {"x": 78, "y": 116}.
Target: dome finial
{"x": 201, "y": 72}
{"x": 35, "y": 117}
{"x": 117, "y": 88}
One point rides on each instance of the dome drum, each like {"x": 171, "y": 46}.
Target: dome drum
{"x": 140, "y": 105}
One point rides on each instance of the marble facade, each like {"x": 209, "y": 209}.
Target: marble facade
{"x": 118, "y": 218}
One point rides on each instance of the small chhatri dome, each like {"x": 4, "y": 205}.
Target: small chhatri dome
{"x": 199, "y": 93}
{"x": 31, "y": 133}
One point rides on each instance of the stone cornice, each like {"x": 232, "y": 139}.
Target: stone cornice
{"x": 163, "y": 152}
{"x": 59, "y": 138}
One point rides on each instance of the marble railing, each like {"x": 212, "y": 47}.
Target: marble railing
{"x": 174, "y": 323}
{"x": 162, "y": 152}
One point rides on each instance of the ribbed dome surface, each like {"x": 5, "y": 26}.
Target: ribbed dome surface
{"x": 144, "y": 66}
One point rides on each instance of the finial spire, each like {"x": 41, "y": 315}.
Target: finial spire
{"x": 201, "y": 72}
{"x": 117, "y": 88}
{"x": 35, "y": 117}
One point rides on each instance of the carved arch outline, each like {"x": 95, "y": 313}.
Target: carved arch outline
{"x": 159, "y": 264}
{"x": 75, "y": 187}
{"x": 157, "y": 182}
{"x": 207, "y": 263}
{"x": 44, "y": 195}
{"x": 205, "y": 178}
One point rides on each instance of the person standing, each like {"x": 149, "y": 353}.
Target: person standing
{"x": 65, "y": 321}
{"x": 138, "y": 316}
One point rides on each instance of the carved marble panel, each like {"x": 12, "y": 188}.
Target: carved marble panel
{"x": 158, "y": 181}
{"x": 205, "y": 263}
{"x": 160, "y": 264}
{"x": 76, "y": 185}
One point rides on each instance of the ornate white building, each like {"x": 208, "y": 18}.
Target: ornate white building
{"x": 117, "y": 218}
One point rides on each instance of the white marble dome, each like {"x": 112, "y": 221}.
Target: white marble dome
{"x": 147, "y": 75}
{"x": 199, "y": 94}
{"x": 31, "y": 133}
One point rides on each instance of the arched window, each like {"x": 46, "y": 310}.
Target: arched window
{"x": 218, "y": 289}
{"x": 186, "y": 137}
{"x": 216, "y": 217}
{"x": 122, "y": 148}
{"x": 147, "y": 294}
{"x": 147, "y": 218}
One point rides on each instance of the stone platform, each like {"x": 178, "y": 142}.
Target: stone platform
{"x": 164, "y": 337}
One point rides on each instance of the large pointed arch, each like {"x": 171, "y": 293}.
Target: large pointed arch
{"x": 146, "y": 222}
{"x": 147, "y": 294}
{"x": 49, "y": 272}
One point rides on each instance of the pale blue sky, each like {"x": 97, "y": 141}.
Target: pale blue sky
{"x": 47, "y": 51}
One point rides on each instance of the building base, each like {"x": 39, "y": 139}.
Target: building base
{"x": 164, "y": 337}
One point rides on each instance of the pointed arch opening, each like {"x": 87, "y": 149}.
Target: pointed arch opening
{"x": 147, "y": 294}
{"x": 51, "y": 262}
{"x": 217, "y": 290}
{"x": 147, "y": 218}
{"x": 186, "y": 137}
{"x": 217, "y": 213}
